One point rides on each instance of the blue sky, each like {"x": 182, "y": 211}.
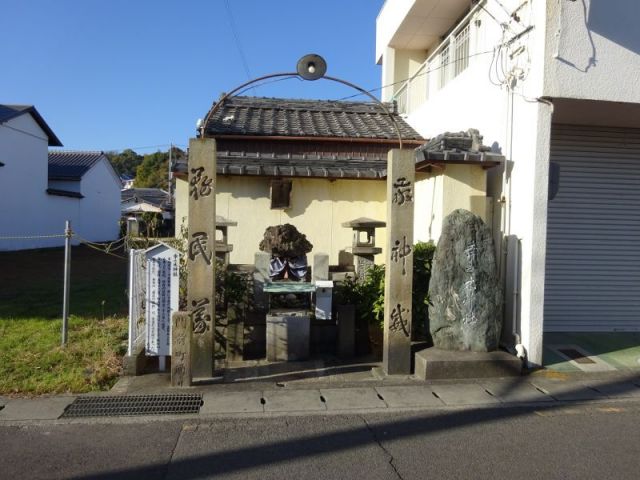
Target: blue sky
{"x": 109, "y": 75}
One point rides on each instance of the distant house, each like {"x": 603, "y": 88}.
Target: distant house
{"x": 127, "y": 181}
{"x": 47, "y": 188}
{"x": 91, "y": 176}
{"x": 135, "y": 202}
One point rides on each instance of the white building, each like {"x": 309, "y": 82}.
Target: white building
{"x": 553, "y": 86}
{"x": 43, "y": 189}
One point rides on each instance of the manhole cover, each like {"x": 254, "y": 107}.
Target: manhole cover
{"x": 125, "y": 405}
{"x": 575, "y": 355}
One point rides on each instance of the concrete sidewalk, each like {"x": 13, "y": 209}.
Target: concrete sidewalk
{"x": 352, "y": 394}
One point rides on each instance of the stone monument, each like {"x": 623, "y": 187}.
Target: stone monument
{"x": 396, "y": 352}
{"x": 201, "y": 289}
{"x": 465, "y": 314}
{"x": 181, "y": 329}
{"x": 466, "y": 300}
{"x": 288, "y": 248}
{"x": 289, "y": 324}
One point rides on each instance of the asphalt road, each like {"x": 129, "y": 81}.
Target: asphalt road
{"x": 573, "y": 441}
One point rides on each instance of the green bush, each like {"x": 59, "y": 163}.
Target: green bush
{"x": 368, "y": 294}
{"x": 422, "y": 260}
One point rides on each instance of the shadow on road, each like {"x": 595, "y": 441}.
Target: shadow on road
{"x": 301, "y": 447}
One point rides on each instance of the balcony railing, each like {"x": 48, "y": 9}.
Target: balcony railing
{"x": 448, "y": 61}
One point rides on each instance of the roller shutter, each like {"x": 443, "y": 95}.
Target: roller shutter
{"x": 592, "y": 280}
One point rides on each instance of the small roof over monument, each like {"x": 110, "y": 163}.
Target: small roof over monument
{"x": 456, "y": 147}
{"x": 364, "y": 222}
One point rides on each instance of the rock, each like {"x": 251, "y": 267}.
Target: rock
{"x": 466, "y": 298}
{"x": 285, "y": 241}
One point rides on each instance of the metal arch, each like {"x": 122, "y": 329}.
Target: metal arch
{"x": 363, "y": 91}
{"x": 218, "y": 104}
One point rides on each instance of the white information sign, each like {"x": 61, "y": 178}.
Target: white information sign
{"x": 163, "y": 276}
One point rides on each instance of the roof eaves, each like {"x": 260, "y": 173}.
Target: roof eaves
{"x": 64, "y": 193}
{"x": 65, "y": 178}
{"x": 53, "y": 140}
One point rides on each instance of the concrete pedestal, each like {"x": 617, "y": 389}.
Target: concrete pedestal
{"x": 432, "y": 363}
{"x": 288, "y": 333}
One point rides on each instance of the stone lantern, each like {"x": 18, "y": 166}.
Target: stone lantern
{"x": 363, "y": 245}
{"x": 223, "y": 247}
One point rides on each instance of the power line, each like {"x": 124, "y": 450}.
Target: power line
{"x": 144, "y": 147}
{"x": 22, "y": 131}
{"x": 274, "y": 80}
{"x": 426, "y": 72}
{"x": 491, "y": 15}
{"x": 237, "y": 40}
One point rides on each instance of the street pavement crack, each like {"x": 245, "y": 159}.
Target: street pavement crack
{"x": 382, "y": 447}
{"x": 175, "y": 447}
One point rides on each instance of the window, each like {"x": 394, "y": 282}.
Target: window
{"x": 454, "y": 56}
{"x": 444, "y": 66}
{"x": 461, "y": 43}
{"x": 280, "y": 194}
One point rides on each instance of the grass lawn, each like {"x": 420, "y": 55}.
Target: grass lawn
{"x": 31, "y": 358}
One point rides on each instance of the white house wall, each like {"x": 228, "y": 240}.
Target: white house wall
{"x": 593, "y": 42}
{"x": 471, "y": 100}
{"x": 26, "y": 209}
{"x": 100, "y": 207}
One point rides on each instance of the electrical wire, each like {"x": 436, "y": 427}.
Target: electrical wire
{"x": 144, "y": 147}
{"x": 267, "y": 82}
{"x": 426, "y": 72}
{"x": 237, "y": 40}
{"x": 490, "y": 14}
{"x": 23, "y": 131}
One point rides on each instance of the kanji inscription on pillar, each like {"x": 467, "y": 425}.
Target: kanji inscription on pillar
{"x": 201, "y": 254}
{"x": 396, "y": 352}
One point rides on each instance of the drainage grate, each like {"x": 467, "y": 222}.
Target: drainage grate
{"x": 126, "y": 405}
{"x": 575, "y": 355}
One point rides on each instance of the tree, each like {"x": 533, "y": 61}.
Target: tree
{"x": 153, "y": 172}
{"x": 125, "y": 162}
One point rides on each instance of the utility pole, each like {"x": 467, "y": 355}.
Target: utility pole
{"x": 170, "y": 161}
{"x": 67, "y": 275}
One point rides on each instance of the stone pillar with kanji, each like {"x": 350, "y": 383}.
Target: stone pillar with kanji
{"x": 396, "y": 353}
{"x": 201, "y": 256}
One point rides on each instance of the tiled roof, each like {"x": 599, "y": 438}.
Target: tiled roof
{"x": 298, "y": 159}
{"x": 7, "y": 112}
{"x": 71, "y": 165}
{"x": 256, "y": 116}
{"x": 456, "y": 147}
{"x": 242, "y": 163}
{"x": 153, "y": 196}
